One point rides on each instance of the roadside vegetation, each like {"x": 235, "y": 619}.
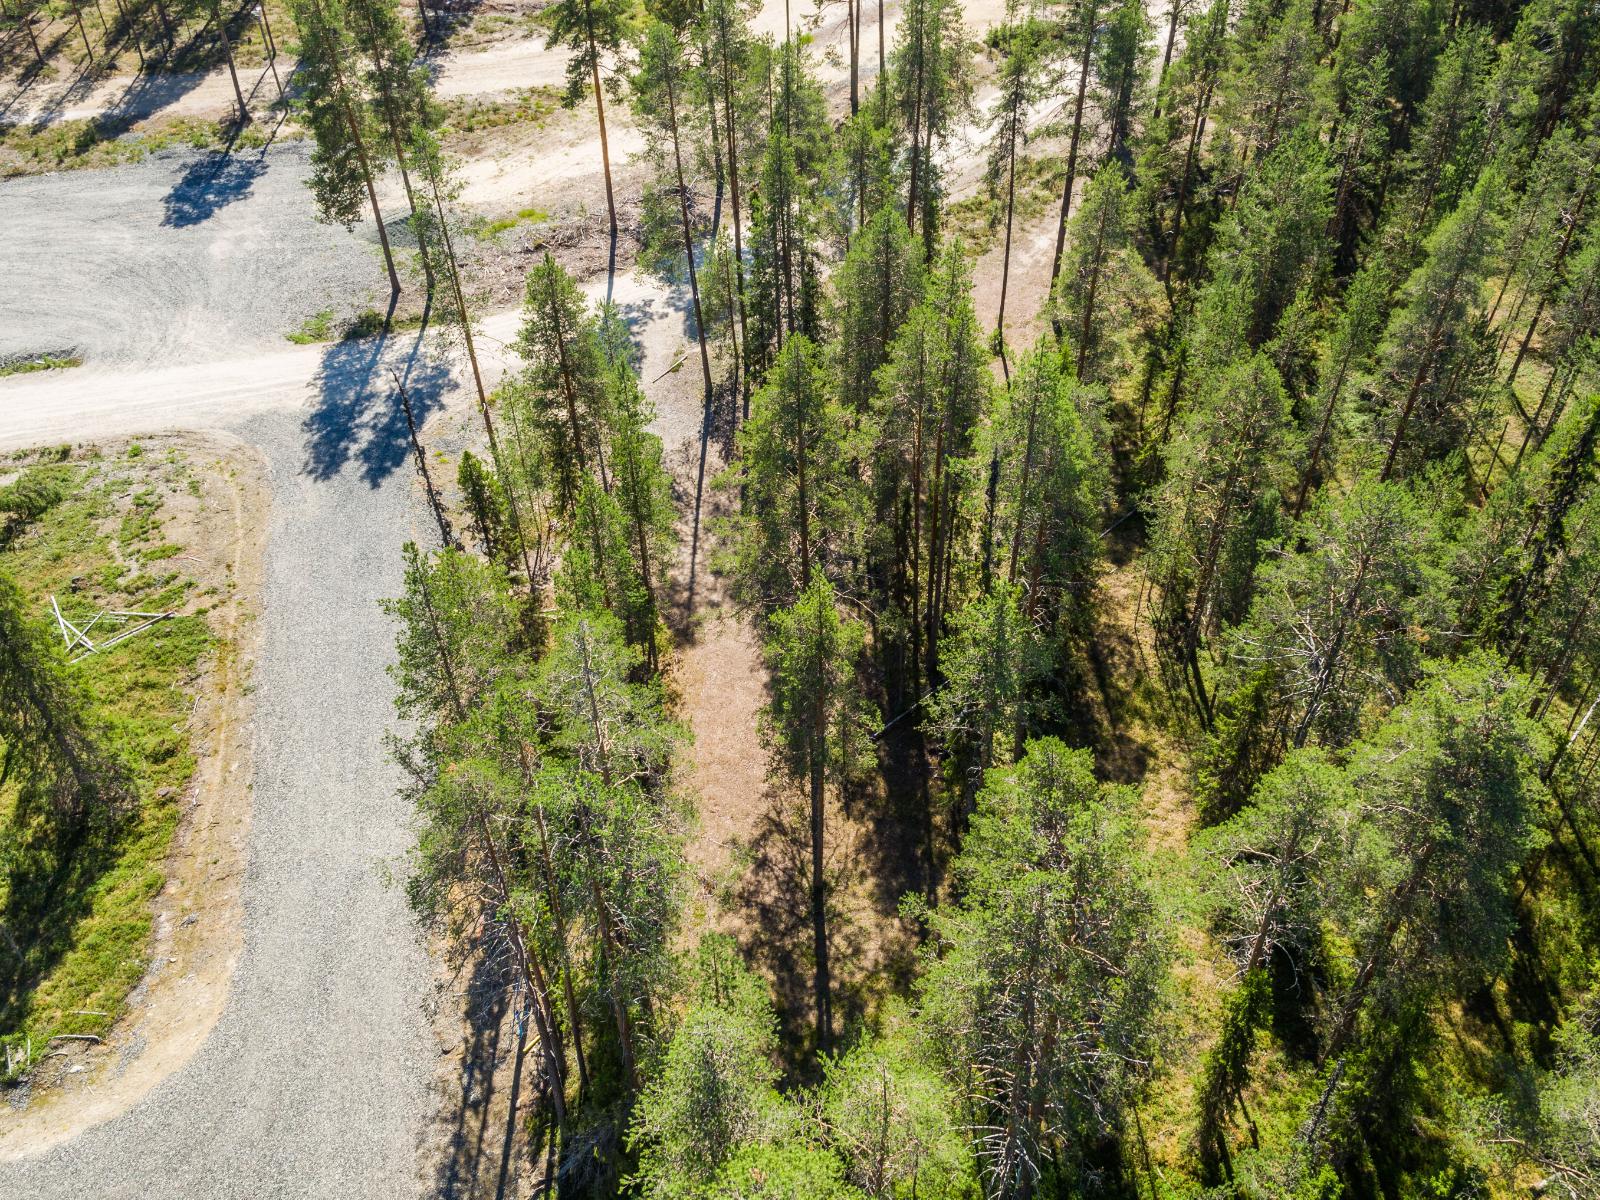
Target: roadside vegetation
{"x": 28, "y": 364}
{"x": 105, "y": 142}
{"x": 94, "y": 756}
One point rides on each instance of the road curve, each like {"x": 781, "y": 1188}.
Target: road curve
{"x": 315, "y": 1082}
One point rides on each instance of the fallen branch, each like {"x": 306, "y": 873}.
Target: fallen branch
{"x": 77, "y": 1037}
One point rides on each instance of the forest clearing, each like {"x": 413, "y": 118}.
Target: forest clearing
{"x": 831, "y": 600}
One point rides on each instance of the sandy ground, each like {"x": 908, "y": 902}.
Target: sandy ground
{"x": 197, "y": 934}
{"x": 472, "y": 72}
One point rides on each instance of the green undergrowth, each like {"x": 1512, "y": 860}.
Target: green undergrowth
{"x": 75, "y": 901}
{"x": 324, "y": 326}
{"x": 486, "y": 229}
{"x": 105, "y": 142}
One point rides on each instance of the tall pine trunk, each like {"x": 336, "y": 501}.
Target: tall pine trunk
{"x": 600, "y": 114}
{"x": 1072, "y": 147}
{"x": 699, "y": 324}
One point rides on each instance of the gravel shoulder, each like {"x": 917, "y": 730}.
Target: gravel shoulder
{"x": 179, "y": 259}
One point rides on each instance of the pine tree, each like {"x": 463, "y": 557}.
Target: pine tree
{"x": 1080, "y": 27}
{"x": 1264, "y": 253}
{"x": 336, "y": 108}
{"x": 982, "y": 711}
{"x": 486, "y": 505}
{"x": 1267, "y": 91}
{"x": 1449, "y": 792}
{"x": 1423, "y": 341}
{"x": 726, "y": 36}
{"x": 1172, "y": 159}
{"x": 610, "y": 752}
{"x": 1019, "y": 87}
{"x": 1051, "y": 490}
{"x": 1449, "y": 143}
{"x": 714, "y": 1092}
{"x": 588, "y": 28}
{"x": 1122, "y": 66}
{"x": 875, "y": 287}
{"x": 1217, "y": 503}
{"x": 398, "y": 87}
{"x": 660, "y": 92}
{"x": 785, "y": 283}
{"x": 932, "y": 391}
{"x": 1342, "y": 368}
{"x": 1545, "y": 272}
{"x": 1270, "y": 869}
{"x": 816, "y": 725}
{"x": 1103, "y": 280}
{"x": 457, "y": 622}
{"x": 801, "y": 506}
{"x": 1175, "y": 13}
{"x": 1359, "y": 146}
{"x": 1337, "y": 622}
{"x": 1045, "y": 995}
{"x": 895, "y": 1122}
{"x": 932, "y": 87}
{"x": 643, "y": 491}
{"x": 565, "y": 378}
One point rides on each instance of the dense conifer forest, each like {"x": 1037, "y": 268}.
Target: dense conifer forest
{"x": 1308, "y": 423}
{"x": 1216, "y": 632}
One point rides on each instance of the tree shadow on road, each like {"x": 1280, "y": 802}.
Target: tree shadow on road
{"x": 210, "y": 183}
{"x": 358, "y": 414}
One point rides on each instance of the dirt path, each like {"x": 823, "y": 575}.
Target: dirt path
{"x": 210, "y": 94}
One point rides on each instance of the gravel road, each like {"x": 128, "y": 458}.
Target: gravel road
{"x": 316, "y": 1080}
{"x": 180, "y": 258}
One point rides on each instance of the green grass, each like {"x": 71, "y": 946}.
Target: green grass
{"x": 45, "y": 362}
{"x": 103, "y": 142}
{"x": 320, "y": 327}
{"x": 487, "y": 230}
{"x": 531, "y": 105}
{"x": 75, "y": 903}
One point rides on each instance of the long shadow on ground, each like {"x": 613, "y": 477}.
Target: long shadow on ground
{"x": 483, "y": 1154}
{"x": 209, "y": 184}
{"x": 870, "y": 953}
{"x": 358, "y": 414}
